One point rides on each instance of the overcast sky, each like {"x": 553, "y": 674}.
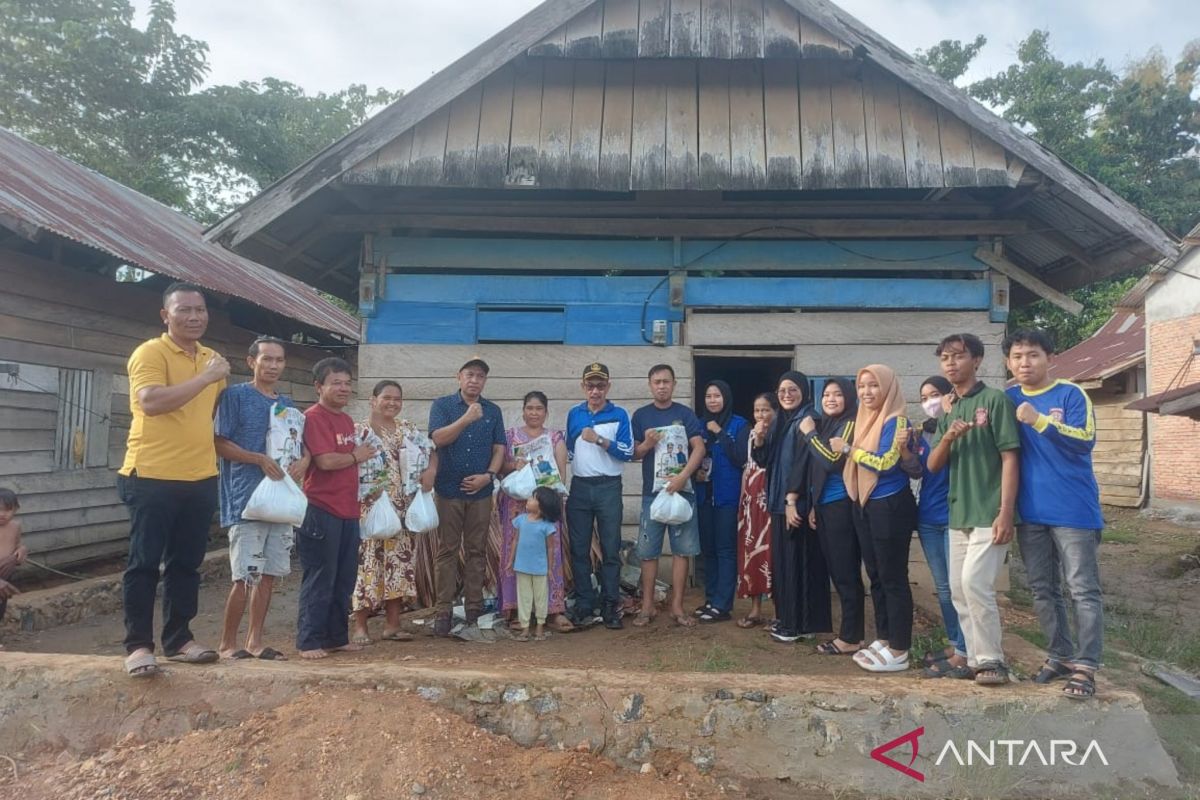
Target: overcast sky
{"x": 325, "y": 46}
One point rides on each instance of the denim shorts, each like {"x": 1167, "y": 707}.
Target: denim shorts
{"x": 685, "y": 538}
{"x": 260, "y": 548}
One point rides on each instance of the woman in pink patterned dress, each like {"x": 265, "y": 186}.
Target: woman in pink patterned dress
{"x": 534, "y": 414}
{"x": 754, "y": 526}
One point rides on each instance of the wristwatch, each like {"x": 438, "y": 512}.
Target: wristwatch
{"x": 601, "y": 442}
{"x": 491, "y": 474}
{"x": 846, "y": 448}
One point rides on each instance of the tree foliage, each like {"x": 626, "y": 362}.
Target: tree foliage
{"x": 82, "y": 79}
{"x": 1137, "y": 131}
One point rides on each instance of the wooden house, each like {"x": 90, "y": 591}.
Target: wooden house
{"x": 1111, "y": 367}
{"x": 1170, "y": 295}
{"x": 68, "y": 325}
{"x": 733, "y": 187}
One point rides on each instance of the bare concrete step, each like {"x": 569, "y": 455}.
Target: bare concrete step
{"x": 1019, "y": 741}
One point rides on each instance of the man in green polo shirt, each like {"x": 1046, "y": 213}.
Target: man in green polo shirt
{"x": 977, "y": 437}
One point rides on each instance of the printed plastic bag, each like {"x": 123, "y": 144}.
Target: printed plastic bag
{"x": 422, "y": 513}
{"x": 539, "y": 453}
{"x": 670, "y": 456}
{"x": 670, "y": 509}
{"x": 521, "y": 484}
{"x": 277, "y": 501}
{"x": 381, "y": 520}
{"x": 285, "y": 436}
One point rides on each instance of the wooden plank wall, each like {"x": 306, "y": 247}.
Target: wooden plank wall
{"x": 52, "y": 316}
{"x": 680, "y": 124}
{"x": 839, "y": 344}
{"x": 1120, "y": 448}
{"x": 428, "y": 371}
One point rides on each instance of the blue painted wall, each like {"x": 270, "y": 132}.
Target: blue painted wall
{"x": 596, "y": 310}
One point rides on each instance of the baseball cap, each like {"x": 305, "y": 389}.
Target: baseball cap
{"x": 595, "y": 370}
{"x": 476, "y": 361}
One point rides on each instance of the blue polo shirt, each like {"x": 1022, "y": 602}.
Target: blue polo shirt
{"x": 471, "y": 452}
{"x": 243, "y": 417}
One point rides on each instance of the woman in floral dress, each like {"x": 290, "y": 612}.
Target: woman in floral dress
{"x": 406, "y": 462}
{"x": 534, "y": 412}
{"x": 754, "y": 525}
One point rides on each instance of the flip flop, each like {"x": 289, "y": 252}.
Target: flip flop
{"x": 396, "y": 636}
{"x": 362, "y": 640}
{"x": 196, "y": 654}
{"x": 749, "y": 622}
{"x": 238, "y": 655}
{"x": 141, "y": 666}
{"x": 682, "y": 621}
{"x": 271, "y": 654}
{"x": 642, "y": 620}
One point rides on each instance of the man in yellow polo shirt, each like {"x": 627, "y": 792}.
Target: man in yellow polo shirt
{"x": 169, "y": 479}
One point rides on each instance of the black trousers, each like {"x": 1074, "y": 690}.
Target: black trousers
{"x": 885, "y": 527}
{"x": 168, "y": 524}
{"x": 327, "y": 547}
{"x": 800, "y": 582}
{"x": 843, "y": 557}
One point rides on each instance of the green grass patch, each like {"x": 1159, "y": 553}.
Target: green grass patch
{"x": 1031, "y": 634}
{"x": 719, "y": 658}
{"x": 1170, "y": 639}
{"x": 1118, "y": 535}
{"x": 1175, "y": 717}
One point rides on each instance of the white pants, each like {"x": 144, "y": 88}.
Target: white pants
{"x": 975, "y": 563}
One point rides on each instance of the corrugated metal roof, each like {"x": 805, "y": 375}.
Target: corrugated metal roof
{"x": 56, "y": 194}
{"x": 1118, "y": 345}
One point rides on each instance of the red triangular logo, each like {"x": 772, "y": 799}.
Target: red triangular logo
{"x": 913, "y": 738}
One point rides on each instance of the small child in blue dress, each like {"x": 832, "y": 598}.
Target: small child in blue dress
{"x": 530, "y": 559}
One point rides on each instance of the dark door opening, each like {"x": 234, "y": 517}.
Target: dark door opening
{"x": 747, "y": 375}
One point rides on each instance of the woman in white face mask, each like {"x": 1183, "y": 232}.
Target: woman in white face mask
{"x": 933, "y": 516}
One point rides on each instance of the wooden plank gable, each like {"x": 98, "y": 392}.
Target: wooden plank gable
{"x": 689, "y": 94}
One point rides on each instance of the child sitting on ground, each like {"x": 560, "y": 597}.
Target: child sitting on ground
{"x": 530, "y": 559}
{"x": 12, "y": 552}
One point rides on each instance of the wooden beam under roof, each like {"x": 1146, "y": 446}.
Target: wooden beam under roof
{"x": 775, "y": 228}
{"x": 1027, "y": 279}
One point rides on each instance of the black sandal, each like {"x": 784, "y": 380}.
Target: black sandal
{"x": 944, "y": 669}
{"x": 930, "y": 658}
{"x": 831, "y": 649}
{"x": 1081, "y": 685}
{"x": 713, "y": 615}
{"x": 1052, "y": 671}
{"x": 991, "y": 673}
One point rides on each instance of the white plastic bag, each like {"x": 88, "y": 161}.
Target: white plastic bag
{"x": 521, "y": 484}
{"x": 670, "y": 509}
{"x": 277, "y": 501}
{"x": 381, "y": 521}
{"x": 422, "y": 513}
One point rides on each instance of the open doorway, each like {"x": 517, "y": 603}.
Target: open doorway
{"x": 749, "y": 373}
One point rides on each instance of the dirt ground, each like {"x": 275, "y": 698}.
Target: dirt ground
{"x": 314, "y": 747}
{"x": 340, "y": 745}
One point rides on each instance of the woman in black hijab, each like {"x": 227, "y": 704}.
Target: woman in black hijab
{"x": 801, "y": 582}
{"x": 832, "y": 510}
{"x": 717, "y": 493}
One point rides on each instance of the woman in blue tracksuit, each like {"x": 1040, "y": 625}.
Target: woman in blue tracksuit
{"x": 726, "y": 436}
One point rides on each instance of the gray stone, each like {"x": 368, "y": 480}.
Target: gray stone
{"x": 431, "y": 693}
{"x": 545, "y": 704}
{"x": 709, "y": 725}
{"x": 724, "y": 694}
{"x": 483, "y": 695}
{"x": 704, "y": 758}
{"x": 755, "y": 696}
{"x": 418, "y": 788}
{"x": 516, "y": 694}
{"x": 631, "y": 709}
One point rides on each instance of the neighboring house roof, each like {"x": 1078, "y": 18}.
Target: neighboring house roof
{"x": 1117, "y": 346}
{"x": 40, "y": 190}
{"x": 1183, "y": 402}
{"x": 1135, "y": 298}
{"x": 1089, "y": 231}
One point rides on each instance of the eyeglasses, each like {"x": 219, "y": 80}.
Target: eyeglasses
{"x": 595, "y": 387}
{"x": 785, "y": 390}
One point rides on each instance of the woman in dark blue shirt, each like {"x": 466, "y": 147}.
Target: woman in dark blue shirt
{"x": 717, "y": 493}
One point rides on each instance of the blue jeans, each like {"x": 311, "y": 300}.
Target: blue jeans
{"x": 718, "y": 547}
{"x": 685, "y": 538}
{"x": 327, "y": 547}
{"x": 595, "y": 503}
{"x": 1050, "y": 554}
{"x": 935, "y": 541}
